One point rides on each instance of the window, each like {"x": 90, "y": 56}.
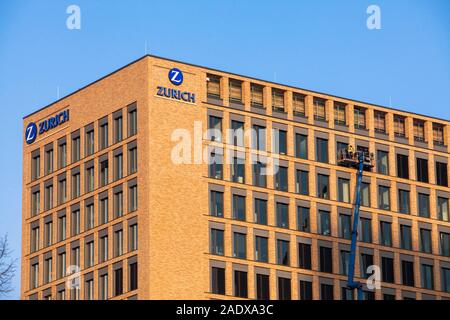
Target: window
{"x": 326, "y": 291}
{"x": 75, "y": 223}
{"x": 319, "y": 109}
{"x": 132, "y": 160}
{"x": 103, "y": 212}
{"x": 240, "y": 284}
{"x": 35, "y": 167}
{"x": 302, "y": 182}
{"x": 423, "y": 205}
{"x": 283, "y": 252}
{"x": 344, "y": 257}
{"x": 326, "y": 259}
{"x": 256, "y": 96}
{"x": 346, "y": 294}
{"x": 49, "y": 161}
{"x": 103, "y": 136}
{"x": 322, "y": 186}
{"x": 215, "y": 129}
{"x": 103, "y": 287}
{"x": 132, "y": 122}
{"x": 278, "y": 100}
{"x": 322, "y": 150}
{"x": 104, "y": 173}
{"x": 118, "y": 282}
{"x": 238, "y": 207}
{"x": 48, "y": 233}
{"x": 339, "y": 113}
{"x": 239, "y": 245}
{"x": 444, "y": 239}
{"x": 259, "y": 138}
{"x": 35, "y": 203}
{"x": 365, "y": 194}
{"x": 301, "y": 146}
{"x": 213, "y": 86}
{"x": 61, "y": 264}
{"x": 118, "y": 204}
{"x": 427, "y": 276}
{"x": 62, "y": 154}
{"x": 403, "y": 201}
{"x": 216, "y": 204}
{"x": 402, "y": 166}
{"x": 118, "y": 129}
{"x": 360, "y": 118}
{"x": 298, "y": 104}
{"x": 75, "y": 257}
{"x": 216, "y": 165}
{"x": 343, "y": 190}
{"x": 261, "y": 249}
{"x": 61, "y": 295}
{"x": 260, "y": 211}
{"x": 422, "y": 170}
{"x": 216, "y": 244}
{"x": 305, "y": 290}
{"x": 419, "y": 130}
{"x": 284, "y": 288}
{"x": 118, "y": 166}
{"x": 438, "y": 134}
{"x": 237, "y": 137}
{"x": 366, "y": 262}
{"x": 118, "y": 243}
{"x": 282, "y": 212}
{"x": 34, "y": 277}
{"x": 89, "y": 254}
{"x": 34, "y": 239}
{"x": 217, "y": 280}
{"x": 235, "y": 94}
{"x": 280, "y": 141}
{"x": 365, "y": 230}
{"x": 62, "y": 230}
{"x": 281, "y": 178}
{"x": 304, "y": 256}
{"x": 259, "y": 174}
{"x": 385, "y": 233}
{"x": 262, "y": 287}
{"x": 441, "y": 174}
{"x": 399, "y": 126}
{"x": 133, "y": 276}
{"x": 445, "y": 278}
{"x": 103, "y": 249}
{"x": 408, "y": 273}
{"x": 238, "y": 170}
{"x": 303, "y": 219}
{"x": 132, "y": 198}
{"x": 384, "y": 198}
{"x": 89, "y": 216}
{"x": 380, "y": 122}
{"x": 442, "y": 209}
{"x": 383, "y": 162}
{"x": 76, "y": 185}
{"x": 387, "y": 269}
{"x": 345, "y": 230}
{"x": 62, "y": 191}
{"x": 48, "y": 197}
{"x": 89, "y": 142}
{"x": 89, "y": 290}
{"x": 90, "y": 179}
{"x": 405, "y": 237}
{"x": 324, "y": 226}
{"x": 133, "y": 237}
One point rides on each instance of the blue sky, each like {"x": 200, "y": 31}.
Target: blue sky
{"x": 319, "y": 45}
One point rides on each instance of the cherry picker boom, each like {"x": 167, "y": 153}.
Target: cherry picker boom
{"x": 359, "y": 160}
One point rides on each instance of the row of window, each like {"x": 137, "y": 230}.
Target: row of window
{"x": 322, "y": 150}
{"x": 62, "y": 291}
{"x": 320, "y": 109}
{"x": 103, "y": 255}
{"x": 284, "y": 290}
{"x": 89, "y": 142}
{"x": 90, "y": 221}
{"x": 104, "y": 178}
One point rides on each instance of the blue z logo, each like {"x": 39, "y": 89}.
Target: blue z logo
{"x": 31, "y": 133}
{"x": 176, "y": 76}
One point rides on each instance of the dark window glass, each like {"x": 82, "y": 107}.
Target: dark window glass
{"x": 280, "y": 142}
{"x": 324, "y": 223}
{"x": 281, "y": 179}
{"x": 387, "y": 269}
{"x": 405, "y": 237}
{"x": 403, "y": 201}
{"x": 442, "y": 204}
{"x": 365, "y": 194}
{"x": 260, "y": 211}
{"x": 444, "y": 239}
{"x": 343, "y": 190}
{"x": 301, "y": 146}
{"x": 341, "y": 150}
{"x": 216, "y": 165}
{"x": 384, "y": 201}
{"x": 423, "y": 205}
{"x": 326, "y": 260}
{"x": 385, "y": 233}
{"x": 347, "y": 294}
{"x": 441, "y": 174}
{"x": 305, "y": 290}
{"x": 261, "y": 249}
{"x": 118, "y": 282}
{"x": 427, "y": 276}
{"x": 259, "y": 138}
{"x": 422, "y": 170}
{"x": 445, "y": 279}
{"x": 237, "y": 128}
{"x": 240, "y": 284}
{"x": 304, "y": 256}
{"x": 282, "y": 215}
{"x": 284, "y": 288}
{"x": 366, "y": 262}
{"x": 326, "y": 291}
{"x": 365, "y": 230}
{"x": 238, "y": 207}
{"x": 402, "y": 166}
{"x": 133, "y": 275}
{"x": 262, "y": 287}
{"x": 323, "y": 190}
{"x": 239, "y": 245}
{"x": 216, "y": 204}
{"x": 215, "y": 128}
{"x": 344, "y": 256}
{"x": 425, "y": 240}
{"x": 238, "y": 170}
{"x": 368, "y": 295}
{"x": 322, "y": 150}
{"x": 259, "y": 176}
{"x": 388, "y": 296}
{"x": 216, "y": 242}
{"x": 382, "y": 162}
{"x": 345, "y": 226}
{"x": 408, "y": 273}
{"x": 283, "y": 252}
{"x": 303, "y": 219}
{"x": 218, "y": 280}
{"x": 302, "y": 182}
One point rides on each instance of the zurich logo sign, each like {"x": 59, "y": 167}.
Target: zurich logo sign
{"x": 176, "y": 76}
{"x": 31, "y": 133}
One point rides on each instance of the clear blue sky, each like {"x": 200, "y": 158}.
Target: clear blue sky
{"x": 318, "y": 45}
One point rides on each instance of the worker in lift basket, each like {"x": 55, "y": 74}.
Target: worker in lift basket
{"x": 350, "y": 151}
